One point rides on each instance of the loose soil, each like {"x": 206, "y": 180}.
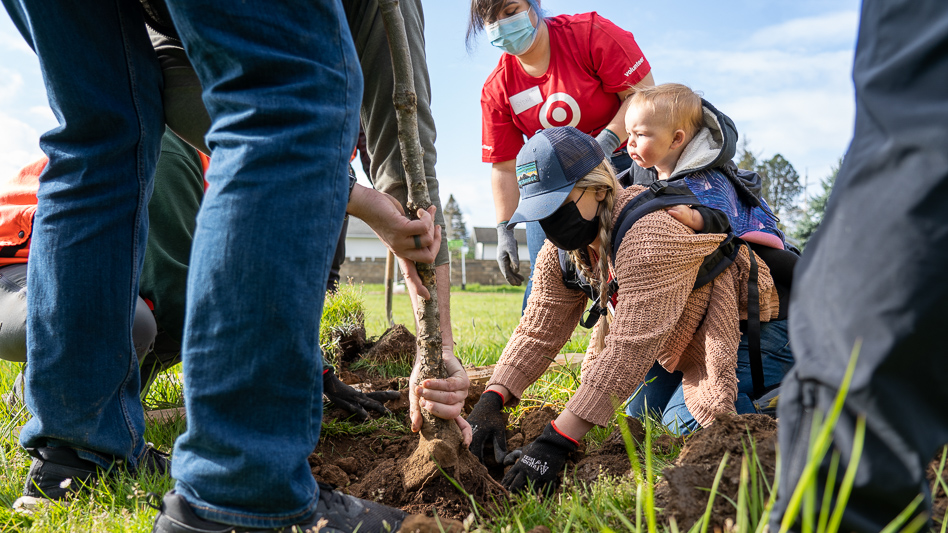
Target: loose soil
{"x": 370, "y": 466}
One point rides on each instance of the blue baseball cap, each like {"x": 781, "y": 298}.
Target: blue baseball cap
{"x": 548, "y": 167}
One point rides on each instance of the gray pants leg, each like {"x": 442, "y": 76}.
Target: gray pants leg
{"x": 378, "y": 112}
{"x": 875, "y": 274}
{"x": 13, "y": 313}
{"x": 13, "y": 317}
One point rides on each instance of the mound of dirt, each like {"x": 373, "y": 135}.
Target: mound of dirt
{"x": 396, "y": 344}
{"x": 370, "y": 466}
{"x": 350, "y": 344}
{"x": 611, "y": 458}
{"x": 683, "y": 491}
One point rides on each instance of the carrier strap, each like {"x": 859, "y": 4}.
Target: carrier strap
{"x": 753, "y": 327}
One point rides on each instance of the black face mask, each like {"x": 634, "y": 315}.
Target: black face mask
{"x": 568, "y": 230}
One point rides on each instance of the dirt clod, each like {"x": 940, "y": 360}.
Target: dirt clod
{"x": 683, "y": 492}
{"x": 396, "y": 344}
{"x": 424, "y": 524}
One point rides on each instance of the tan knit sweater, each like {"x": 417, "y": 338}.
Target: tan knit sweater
{"x": 659, "y": 317}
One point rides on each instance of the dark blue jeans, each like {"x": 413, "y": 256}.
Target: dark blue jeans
{"x": 282, "y": 86}
{"x": 664, "y": 397}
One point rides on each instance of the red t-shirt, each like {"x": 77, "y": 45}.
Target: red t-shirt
{"x": 591, "y": 59}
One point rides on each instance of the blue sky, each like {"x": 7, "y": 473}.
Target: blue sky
{"x": 780, "y": 68}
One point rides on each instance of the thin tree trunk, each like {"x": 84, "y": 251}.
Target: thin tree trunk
{"x": 428, "y": 319}
{"x": 389, "y": 286}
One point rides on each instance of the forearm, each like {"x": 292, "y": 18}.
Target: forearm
{"x": 443, "y": 290}
{"x": 617, "y": 124}
{"x": 503, "y": 181}
{"x": 546, "y": 326}
{"x": 572, "y": 425}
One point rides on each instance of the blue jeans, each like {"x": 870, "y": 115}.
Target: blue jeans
{"x": 535, "y": 239}
{"x": 283, "y": 101}
{"x": 283, "y": 87}
{"x": 104, "y": 86}
{"x": 664, "y": 396}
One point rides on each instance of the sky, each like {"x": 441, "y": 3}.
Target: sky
{"x": 781, "y": 69}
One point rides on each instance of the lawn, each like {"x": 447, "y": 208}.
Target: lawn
{"x": 483, "y": 319}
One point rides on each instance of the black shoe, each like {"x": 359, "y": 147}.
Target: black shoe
{"x": 154, "y": 462}
{"x": 335, "y": 513}
{"x": 58, "y": 472}
{"x": 54, "y": 474}
{"x": 14, "y": 398}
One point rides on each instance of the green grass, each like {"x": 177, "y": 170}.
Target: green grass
{"x": 482, "y": 323}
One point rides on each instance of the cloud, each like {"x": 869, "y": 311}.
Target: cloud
{"x": 20, "y": 145}
{"x": 828, "y": 31}
{"x": 10, "y": 39}
{"x": 11, "y": 84}
{"x": 788, "y": 87}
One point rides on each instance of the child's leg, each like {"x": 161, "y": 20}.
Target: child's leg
{"x": 655, "y": 392}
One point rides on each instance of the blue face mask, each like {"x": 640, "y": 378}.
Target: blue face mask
{"x": 514, "y": 35}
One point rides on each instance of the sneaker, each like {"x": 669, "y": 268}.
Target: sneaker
{"x": 14, "y": 398}
{"x": 154, "y": 462}
{"x": 54, "y": 474}
{"x": 335, "y": 513}
{"x": 57, "y": 472}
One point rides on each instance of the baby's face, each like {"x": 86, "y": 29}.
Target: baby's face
{"x": 650, "y": 140}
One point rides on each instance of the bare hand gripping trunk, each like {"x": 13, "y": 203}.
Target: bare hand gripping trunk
{"x": 441, "y": 444}
{"x": 429, "y": 332}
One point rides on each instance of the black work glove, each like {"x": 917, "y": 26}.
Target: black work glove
{"x": 488, "y": 424}
{"x": 540, "y": 462}
{"x": 353, "y": 401}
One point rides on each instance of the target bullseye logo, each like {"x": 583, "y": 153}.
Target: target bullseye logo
{"x": 560, "y": 109}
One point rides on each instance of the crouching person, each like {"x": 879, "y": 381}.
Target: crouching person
{"x": 568, "y": 185}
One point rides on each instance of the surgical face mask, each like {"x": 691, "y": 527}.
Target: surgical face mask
{"x": 568, "y": 230}
{"x": 514, "y": 35}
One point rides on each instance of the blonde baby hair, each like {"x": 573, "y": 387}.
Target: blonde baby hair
{"x": 676, "y": 105}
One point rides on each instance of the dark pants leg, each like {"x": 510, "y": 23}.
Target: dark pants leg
{"x": 338, "y": 259}
{"x": 874, "y": 273}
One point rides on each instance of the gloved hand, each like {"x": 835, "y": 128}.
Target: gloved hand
{"x": 352, "y": 401}
{"x": 507, "y": 255}
{"x": 488, "y": 425}
{"x": 540, "y": 462}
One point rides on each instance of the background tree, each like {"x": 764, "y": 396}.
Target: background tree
{"x": 813, "y": 215}
{"x": 746, "y": 159}
{"x": 454, "y": 220}
{"x": 781, "y": 188}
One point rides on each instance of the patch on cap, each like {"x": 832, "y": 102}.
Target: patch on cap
{"x": 527, "y": 174}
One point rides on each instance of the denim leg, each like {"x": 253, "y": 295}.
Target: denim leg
{"x": 282, "y": 86}
{"x": 776, "y": 360}
{"x": 654, "y": 393}
{"x": 103, "y": 84}
{"x": 535, "y": 239}
{"x": 677, "y": 418}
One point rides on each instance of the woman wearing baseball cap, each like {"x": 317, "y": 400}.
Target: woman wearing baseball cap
{"x": 567, "y": 184}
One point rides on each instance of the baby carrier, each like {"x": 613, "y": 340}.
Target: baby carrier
{"x": 693, "y": 190}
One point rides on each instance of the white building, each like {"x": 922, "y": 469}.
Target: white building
{"x": 362, "y": 243}
{"x": 485, "y": 243}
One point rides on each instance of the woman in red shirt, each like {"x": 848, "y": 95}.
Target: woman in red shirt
{"x": 567, "y": 70}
